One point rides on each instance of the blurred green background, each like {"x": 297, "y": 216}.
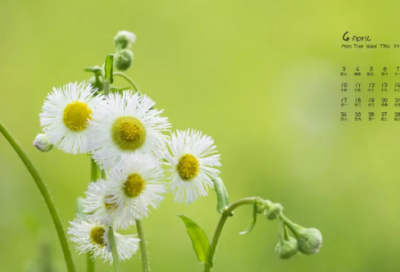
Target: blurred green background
{"x": 260, "y": 77}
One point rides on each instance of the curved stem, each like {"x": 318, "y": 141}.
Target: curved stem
{"x": 46, "y": 196}
{"x": 289, "y": 224}
{"x": 221, "y": 223}
{"x": 111, "y": 240}
{"x": 134, "y": 85}
{"x": 143, "y": 249}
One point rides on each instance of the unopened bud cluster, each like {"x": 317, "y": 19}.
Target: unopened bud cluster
{"x": 122, "y": 59}
{"x": 123, "y": 56}
{"x": 306, "y": 240}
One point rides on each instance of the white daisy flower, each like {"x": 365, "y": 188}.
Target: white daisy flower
{"x": 98, "y": 203}
{"x": 126, "y": 124}
{"x": 90, "y": 236}
{"x": 65, "y": 115}
{"x": 134, "y": 185}
{"x": 192, "y": 164}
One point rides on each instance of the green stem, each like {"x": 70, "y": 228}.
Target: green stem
{"x": 292, "y": 226}
{"x": 221, "y": 223}
{"x": 106, "y": 87}
{"x": 143, "y": 249}
{"x": 111, "y": 240}
{"x": 285, "y": 233}
{"x": 134, "y": 85}
{"x": 89, "y": 262}
{"x": 94, "y": 176}
{"x": 103, "y": 174}
{"x": 94, "y": 170}
{"x": 45, "y": 193}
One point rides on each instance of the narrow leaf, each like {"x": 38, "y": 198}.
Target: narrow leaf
{"x": 222, "y": 194}
{"x": 199, "y": 239}
{"x": 108, "y": 68}
{"x": 96, "y": 70}
{"x": 252, "y": 222}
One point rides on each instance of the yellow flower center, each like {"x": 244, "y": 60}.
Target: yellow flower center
{"x": 97, "y": 236}
{"x": 76, "y": 115}
{"x": 128, "y": 133}
{"x": 109, "y": 204}
{"x": 188, "y": 167}
{"x": 134, "y": 185}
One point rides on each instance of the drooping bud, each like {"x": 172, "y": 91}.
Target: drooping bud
{"x": 42, "y": 143}
{"x": 273, "y": 211}
{"x": 286, "y": 248}
{"x": 124, "y": 39}
{"x": 309, "y": 240}
{"x": 123, "y": 59}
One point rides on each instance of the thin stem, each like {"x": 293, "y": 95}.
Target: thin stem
{"x": 45, "y": 193}
{"x": 94, "y": 176}
{"x": 285, "y": 233}
{"x": 89, "y": 262}
{"x": 106, "y": 87}
{"x": 221, "y": 223}
{"x": 103, "y": 174}
{"x": 111, "y": 240}
{"x": 289, "y": 224}
{"x": 143, "y": 249}
{"x": 127, "y": 78}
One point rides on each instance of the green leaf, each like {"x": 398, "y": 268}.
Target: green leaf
{"x": 108, "y": 68}
{"x": 199, "y": 240}
{"x": 96, "y": 70}
{"x": 252, "y": 222}
{"x": 222, "y": 195}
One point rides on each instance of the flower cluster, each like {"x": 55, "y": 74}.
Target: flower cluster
{"x": 135, "y": 160}
{"x": 126, "y": 136}
{"x": 307, "y": 240}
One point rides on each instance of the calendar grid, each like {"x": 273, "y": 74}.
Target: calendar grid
{"x": 370, "y": 94}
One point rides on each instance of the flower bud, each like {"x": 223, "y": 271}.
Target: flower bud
{"x": 273, "y": 211}
{"x": 124, "y": 39}
{"x": 286, "y": 248}
{"x": 42, "y": 143}
{"x": 261, "y": 206}
{"x": 123, "y": 59}
{"x": 309, "y": 240}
